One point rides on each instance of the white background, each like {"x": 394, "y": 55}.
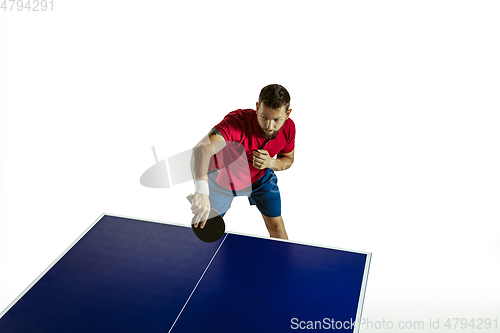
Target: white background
{"x": 396, "y": 105}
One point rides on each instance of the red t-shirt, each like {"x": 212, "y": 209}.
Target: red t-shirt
{"x": 240, "y": 129}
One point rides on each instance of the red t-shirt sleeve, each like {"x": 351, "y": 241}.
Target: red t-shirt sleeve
{"x": 230, "y": 127}
{"x": 290, "y": 137}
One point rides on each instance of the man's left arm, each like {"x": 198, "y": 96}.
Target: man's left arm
{"x": 262, "y": 160}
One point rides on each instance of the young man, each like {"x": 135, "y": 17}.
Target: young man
{"x": 255, "y": 137}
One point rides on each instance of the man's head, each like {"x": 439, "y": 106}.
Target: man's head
{"x": 272, "y": 109}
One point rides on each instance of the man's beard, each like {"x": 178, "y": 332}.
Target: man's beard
{"x": 269, "y": 135}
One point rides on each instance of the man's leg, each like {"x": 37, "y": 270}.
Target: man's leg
{"x": 275, "y": 226}
{"x": 266, "y": 196}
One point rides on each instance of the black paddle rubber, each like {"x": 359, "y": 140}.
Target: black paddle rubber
{"x": 213, "y": 230}
{"x": 214, "y": 227}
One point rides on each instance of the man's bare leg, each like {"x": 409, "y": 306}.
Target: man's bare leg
{"x": 275, "y": 226}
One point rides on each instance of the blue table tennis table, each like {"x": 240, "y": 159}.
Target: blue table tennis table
{"x": 131, "y": 275}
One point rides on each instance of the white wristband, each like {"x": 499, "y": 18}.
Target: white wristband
{"x": 201, "y": 186}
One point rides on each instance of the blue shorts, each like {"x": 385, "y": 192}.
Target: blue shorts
{"x": 264, "y": 194}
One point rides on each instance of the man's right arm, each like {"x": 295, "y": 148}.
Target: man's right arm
{"x": 200, "y": 161}
{"x": 203, "y": 151}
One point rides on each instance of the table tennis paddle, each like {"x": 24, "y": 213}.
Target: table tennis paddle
{"x": 214, "y": 227}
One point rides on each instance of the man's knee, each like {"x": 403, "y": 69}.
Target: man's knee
{"x": 275, "y": 226}
{"x": 275, "y": 223}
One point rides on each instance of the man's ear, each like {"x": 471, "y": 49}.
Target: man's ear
{"x": 288, "y": 113}
{"x": 257, "y": 106}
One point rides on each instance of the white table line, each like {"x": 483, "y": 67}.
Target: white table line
{"x": 197, "y": 284}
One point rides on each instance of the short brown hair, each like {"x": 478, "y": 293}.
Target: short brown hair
{"x": 275, "y": 96}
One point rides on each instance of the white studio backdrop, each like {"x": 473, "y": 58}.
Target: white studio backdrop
{"x": 397, "y": 149}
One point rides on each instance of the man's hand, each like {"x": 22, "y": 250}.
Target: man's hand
{"x": 201, "y": 207}
{"x": 261, "y": 159}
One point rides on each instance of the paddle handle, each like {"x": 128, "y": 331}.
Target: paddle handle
{"x": 190, "y": 198}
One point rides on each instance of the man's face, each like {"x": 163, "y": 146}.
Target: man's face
{"x": 271, "y": 120}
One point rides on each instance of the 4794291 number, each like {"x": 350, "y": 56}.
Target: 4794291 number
{"x": 27, "y": 5}
{"x": 474, "y": 323}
